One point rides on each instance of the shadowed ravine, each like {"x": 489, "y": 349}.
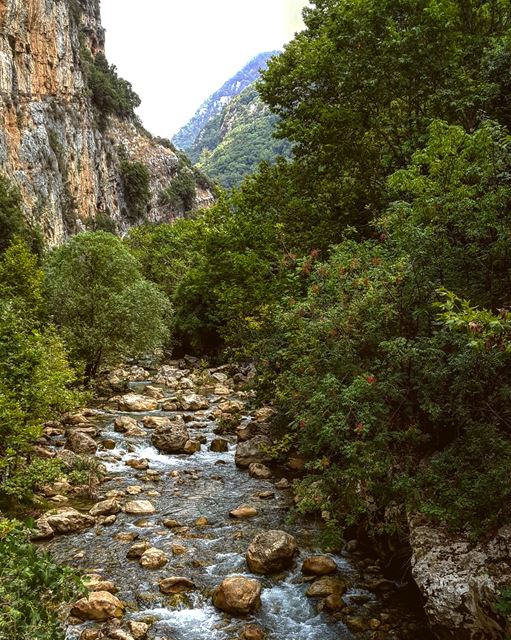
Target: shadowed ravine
{"x": 186, "y": 488}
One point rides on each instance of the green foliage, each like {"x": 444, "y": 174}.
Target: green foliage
{"x": 180, "y": 194}
{"x": 99, "y": 298}
{"x": 137, "y": 194}
{"x": 110, "y": 94}
{"x": 235, "y": 142}
{"x": 32, "y": 587}
{"x": 27, "y": 479}
{"x": 102, "y": 222}
{"x": 12, "y": 223}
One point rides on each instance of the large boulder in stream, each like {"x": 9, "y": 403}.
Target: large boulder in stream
{"x": 135, "y": 402}
{"x": 238, "y": 595}
{"x": 319, "y": 566}
{"x": 252, "y": 451}
{"x": 139, "y": 508}
{"x": 271, "y": 552}
{"x": 80, "y": 442}
{"x": 105, "y": 508}
{"x": 68, "y": 520}
{"x": 99, "y": 606}
{"x": 171, "y": 439}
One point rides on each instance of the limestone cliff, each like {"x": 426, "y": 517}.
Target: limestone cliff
{"x": 52, "y": 146}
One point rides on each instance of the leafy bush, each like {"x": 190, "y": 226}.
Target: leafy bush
{"x": 27, "y": 479}
{"x": 32, "y": 587}
{"x": 180, "y": 194}
{"x": 137, "y": 194}
{"x": 12, "y": 223}
{"x": 99, "y": 298}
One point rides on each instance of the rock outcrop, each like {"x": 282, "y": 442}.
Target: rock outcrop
{"x": 52, "y": 146}
{"x": 461, "y": 581}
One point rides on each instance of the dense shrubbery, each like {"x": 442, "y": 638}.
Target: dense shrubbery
{"x": 32, "y": 587}
{"x": 335, "y": 269}
{"x": 110, "y": 94}
{"x": 137, "y": 193}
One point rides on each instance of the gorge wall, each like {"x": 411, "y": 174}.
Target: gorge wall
{"x": 52, "y": 146}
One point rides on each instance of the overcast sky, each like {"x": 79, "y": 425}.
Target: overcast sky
{"x": 178, "y": 52}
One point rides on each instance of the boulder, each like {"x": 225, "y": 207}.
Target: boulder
{"x": 238, "y": 595}
{"x": 271, "y": 552}
{"x": 80, "y": 442}
{"x": 96, "y": 583}
{"x": 124, "y": 423}
{"x": 253, "y": 450}
{"x": 460, "y": 580}
{"x": 231, "y": 406}
{"x": 170, "y": 439}
{"x": 138, "y": 629}
{"x": 135, "y": 402}
{"x": 326, "y": 586}
{"x": 140, "y": 464}
{"x": 243, "y": 511}
{"x": 252, "y": 632}
{"x": 99, "y": 606}
{"x": 219, "y": 445}
{"x": 259, "y": 471}
{"x": 176, "y": 585}
{"x": 264, "y": 414}
{"x": 137, "y": 550}
{"x": 152, "y": 422}
{"x": 105, "y": 508}
{"x": 193, "y": 402}
{"x": 69, "y": 458}
{"x": 139, "y": 508}
{"x": 43, "y": 530}
{"x": 192, "y": 446}
{"x": 319, "y": 566}
{"x": 74, "y": 419}
{"x": 153, "y": 392}
{"x": 68, "y": 520}
{"x": 153, "y": 558}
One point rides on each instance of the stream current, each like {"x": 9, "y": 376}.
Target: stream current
{"x": 208, "y": 485}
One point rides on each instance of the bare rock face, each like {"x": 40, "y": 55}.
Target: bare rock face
{"x": 135, "y": 402}
{"x": 271, "y": 552}
{"x": 253, "y": 451}
{"x": 238, "y": 595}
{"x": 171, "y": 439}
{"x": 461, "y": 581}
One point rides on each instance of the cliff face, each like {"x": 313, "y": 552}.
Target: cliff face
{"x": 67, "y": 166}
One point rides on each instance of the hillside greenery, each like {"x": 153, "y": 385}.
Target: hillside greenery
{"x": 237, "y": 140}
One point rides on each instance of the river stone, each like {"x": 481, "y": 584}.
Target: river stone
{"x": 137, "y": 550}
{"x": 139, "y": 464}
{"x": 264, "y": 414}
{"x": 99, "y": 606}
{"x": 153, "y": 558}
{"x": 283, "y": 483}
{"x": 176, "y": 585}
{"x": 326, "y": 586}
{"x": 134, "y": 489}
{"x": 245, "y": 431}
{"x": 193, "y": 402}
{"x": 171, "y": 439}
{"x": 118, "y": 634}
{"x": 75, "y": 419}
{"x": 334, "y": 602}
{"x": 253, "y": 450}
{"x": 172, "y": 524}
{"x": 138, "y": 629}
{"x": 152, "y": 422}
{"x": 153, "y": 392}
{"x": 259, "y": 471}
{"x": 139, "y": 507}
{"x": 238, "y": 595}
{"x": 80, "y": 442}
{"x": 124, "y": 423}
{"x": 134, "y": 402}
{"x": 252, "y": 632}
{"x": 97, "y": 583}
{"x": 219, "y": 445}
{"x": 108, "y": 443}
{"x": 68, "y": 520}
{"x": 192, "y": 446}
{"x": 105, "y": 508}
{"x": 319, "y": 566}
{"x": 271, "y": 551}
{"x": 243, "y": 511}
{"x": 231, "y": 406}
{"x": 43, "y": 530}
{"x": 91, "y": 634}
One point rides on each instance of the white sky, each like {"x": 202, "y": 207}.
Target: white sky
{"x": 178, "y": 52}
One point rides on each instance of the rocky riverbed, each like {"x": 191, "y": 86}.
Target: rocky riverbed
{"x": 189, "y": 538}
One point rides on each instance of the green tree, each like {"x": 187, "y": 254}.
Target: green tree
{"x": 137, "y": 193}
{"x": 102, "y": 303}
